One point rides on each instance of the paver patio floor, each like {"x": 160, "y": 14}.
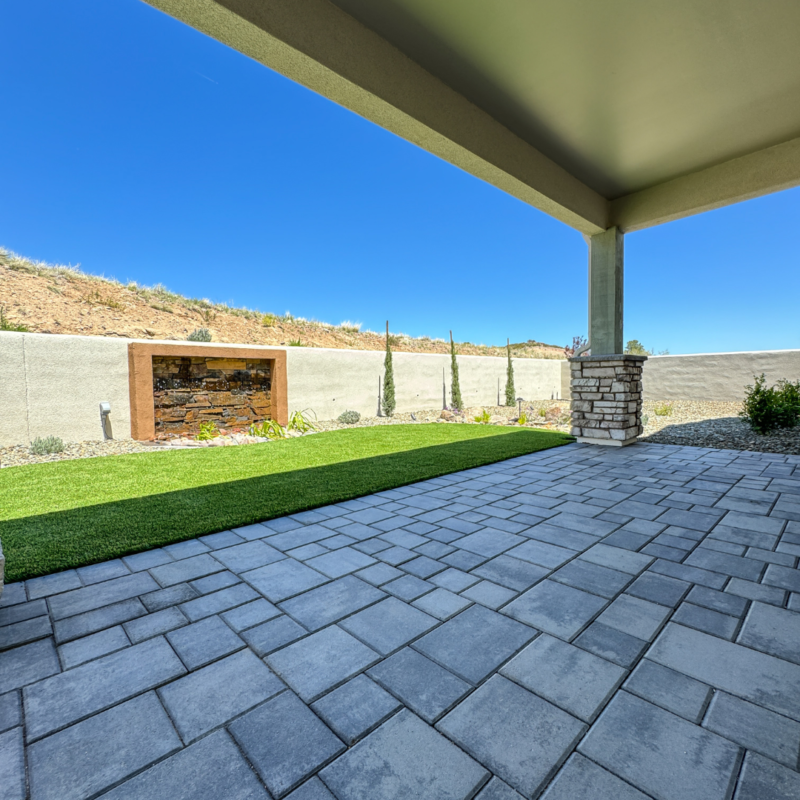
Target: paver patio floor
{"x": 577, "y": 623}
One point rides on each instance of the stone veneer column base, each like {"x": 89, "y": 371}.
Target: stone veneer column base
{"x": 606, "y": 399}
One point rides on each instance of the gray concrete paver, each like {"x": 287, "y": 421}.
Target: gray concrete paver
{"x": 620, "y": 580}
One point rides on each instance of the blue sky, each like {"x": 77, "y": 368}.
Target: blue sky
{"x": 145, "y": 151}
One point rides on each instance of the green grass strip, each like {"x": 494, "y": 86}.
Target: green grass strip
{"x": 67, "y": 514}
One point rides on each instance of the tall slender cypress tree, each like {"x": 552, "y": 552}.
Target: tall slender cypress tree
{"x": 511, "y": 393}
{"x": 388, "y": 403}
{"x": 455, "y": 386}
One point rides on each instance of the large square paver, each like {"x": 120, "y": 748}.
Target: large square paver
{"x": 660, "y": 753}
{"x": 426, "y": 688}
{"x": 755, "y": 728}
{"x": 516, "y": 734}
{"x": 215, "y": 694}
{"x": 474, "y": 643}
{"x": 355, "y": 708}
{"x": 772, "y": 630}
{"x": 321, "y": 662}
{"x": 319, "y": 607}
{"x": 283, "y": 579}
{"x": 210, "y": 769}
{"x": 28, "y": 664}
{"x": 762, "y": 779}
{"x": 86, "y": 758}
{"x": 669, "y": 689}
{"x": 634, "y": 616}
{"x": 404, "y": 758}
{"x": 388, "y": 625}
{"x": 555, "y": 608}
{"x": 573, "y": 679}
{"x": 204, "y": 642}
{"x": 285, "y": 741}
{"x": 581, "y": 779}
{"x": 513, "y": 573}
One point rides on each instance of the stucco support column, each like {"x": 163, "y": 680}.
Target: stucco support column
{"x": 605, "y": 292}
{"x": 606, "y": 387}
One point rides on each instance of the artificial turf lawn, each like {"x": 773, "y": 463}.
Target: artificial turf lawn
{"x": 67, "y": 514}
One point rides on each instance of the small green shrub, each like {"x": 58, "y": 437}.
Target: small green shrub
{"x": 767, "y": 408}
{"x": 268, "y": 320}
{"x": 299, "y": 421}
{"x": 208, "y": 430}
{"x": 7, "y": 325}
{"x": 664, "y": 410}
{"x": 645, "y": 420}
{"x": 268, "y": 429}
{"x": 522, "y": 419}
{"x": 790, "y": 401}
{"x": 484, "y": 417}
{"x": 349, "y": 417}
{"x": 350, "y": 327}
{"x": 296, "y": 343}
{"x": 542, "y": 412}
{"x": 46, "y": 446}
{"x": 199, "y": 335}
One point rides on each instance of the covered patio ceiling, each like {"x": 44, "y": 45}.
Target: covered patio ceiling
{"x": 619, "y": 113}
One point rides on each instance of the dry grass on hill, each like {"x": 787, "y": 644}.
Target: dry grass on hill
{"x": 46, "y": 298}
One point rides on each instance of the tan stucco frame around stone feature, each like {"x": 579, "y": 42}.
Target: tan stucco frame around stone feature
{"x": 140, "y": 377}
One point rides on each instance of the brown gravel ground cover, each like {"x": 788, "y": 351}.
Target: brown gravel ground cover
{"x": 689, "y": 423}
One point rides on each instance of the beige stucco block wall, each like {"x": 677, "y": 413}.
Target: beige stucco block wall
{"x": 53, "y": 384}
{"x": 332, "y": 381}
{"x": 63, "y": 380}
{"x": 715, "y": 376}
{"x": 13, "y": 394}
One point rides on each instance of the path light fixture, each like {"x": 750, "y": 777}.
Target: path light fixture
{"x": 105, "y": 413}
{"x": 519, "y": 400}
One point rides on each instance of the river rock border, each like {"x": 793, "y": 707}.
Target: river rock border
{"x": 606, "y": 398}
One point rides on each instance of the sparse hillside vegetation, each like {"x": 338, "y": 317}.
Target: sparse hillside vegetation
{"x": 48, "y": 298}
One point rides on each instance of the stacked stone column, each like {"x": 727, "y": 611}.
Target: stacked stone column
{"x": 607, "y": 398}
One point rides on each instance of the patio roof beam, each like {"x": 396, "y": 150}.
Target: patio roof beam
{"x": 754, "y": 175}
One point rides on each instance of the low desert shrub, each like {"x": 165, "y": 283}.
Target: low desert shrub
{"x": 268, "y": 429}
{"x": 47, "y": 445}
{"x": 268, "y": 320}
{"x": 522, "y": 419}
{"x": 199, "y": 335}
{"x": 349, "y": 417}
{"x": 300, "y": 421}
{"x": 7, "y": 325}
{"x": 296, "y": 343}
{"x": 208, "y": 430}
{"x": 484, "y": 417}
{"x": 767, "y": 408}
{"x": 664, "y": 410}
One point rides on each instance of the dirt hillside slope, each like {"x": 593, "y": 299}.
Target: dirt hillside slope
{"x": 45, "y": 298}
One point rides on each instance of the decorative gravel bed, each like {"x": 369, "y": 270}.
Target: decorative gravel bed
{"x": 690, "y": 423}
{"x": 17, "y": 455}
{"x": 707, "y": 424}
